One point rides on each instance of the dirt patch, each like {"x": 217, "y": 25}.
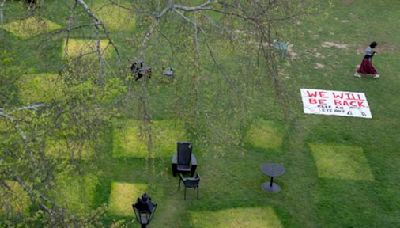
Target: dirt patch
{"x": 360, "y": 50}
{"x": 291, "y": 52}
{"x": 319, "y": 66}
{"x": 381, "y": 48}
{"x": 319, "y": 55}
{"x": 386, "y": 47}
{"x": 328, "y": 44}
{"x": 347, "y": 2}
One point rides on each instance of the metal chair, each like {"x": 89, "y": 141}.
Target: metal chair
{"x": 169, "y": 72}
{"x": 189, "y": 182}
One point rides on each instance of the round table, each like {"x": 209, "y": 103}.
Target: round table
{"x": 272, "y": 170}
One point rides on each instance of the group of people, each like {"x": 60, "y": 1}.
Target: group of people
{"x": 139, "y": 70}
{"x": 366, "y": 67}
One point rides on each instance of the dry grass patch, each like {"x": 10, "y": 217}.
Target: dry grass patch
{"x": 328, "y": 44}
{"x": 341, "y": 162}
{"x": 265, "y": 134}
{"x": 257, "y": 217}
{"x": 387, "y": 48}
{"x": 122, "y": 196}
{"x": 116, "y": 18}
{"x": 30, "y": 27}
{"x": 347, "y": 2}
{"x": 85, "y": 48}
{"x": 128, "y": 141}
{"x": 319, "y": 66}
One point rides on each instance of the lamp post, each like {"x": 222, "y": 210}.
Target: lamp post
{"x": 144, "y": 210}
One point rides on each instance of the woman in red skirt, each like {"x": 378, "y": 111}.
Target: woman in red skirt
{"x": 366, "y": 67}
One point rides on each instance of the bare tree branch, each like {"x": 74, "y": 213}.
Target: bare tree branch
{"x": 13, "y": 120}
{"x": 69, "y": 28}
{"x": 1, "y": 11}
{"x": 27, "y": 107}
{"x": 119, "y": 5}
{"x": 99, "y": 25}
{"x": 204, "y": 6}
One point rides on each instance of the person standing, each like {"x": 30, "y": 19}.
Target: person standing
{"x": 366, "y": 66}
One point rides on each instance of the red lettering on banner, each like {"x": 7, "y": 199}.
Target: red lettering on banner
{"x": 322, "y": 101}
{"x": 312, "y": 94}
{"x": 337, "y": 102}
{"x": 330, "y": 102}
{"x": 312, "y": 101}
{"x": 353, "y": 103}
{"x": 337, "y": 95}
{"x": 352, "y": 96}
{"x": 359, "y": 104}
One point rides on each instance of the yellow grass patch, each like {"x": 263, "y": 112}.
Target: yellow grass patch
{"x": 265, "y": 134}
{"x": 85, "y": 48}
{"x": 122, "y": 196}
{"x": 3, "y": 125}
{"x": 128, "y": 141}
{"x": 30, "y": 27}
{"x": 257, "y": 217}
{"x": 35, "y": 88}
{"x": 116, "y": 18}
{"x": 341, "y": 162}
{"x": 13, "y": 202}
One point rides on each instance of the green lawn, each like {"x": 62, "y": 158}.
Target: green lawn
{"x": 340, "y": 171}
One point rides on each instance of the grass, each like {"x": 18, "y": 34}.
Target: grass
{"x": 38, "y": 88}
{"x": 30, "y": 27}
{"x": 341, "y": 162}
{"x": 340, "y": 172}
{"x": 115, "y": 18}
{"x": 237, "y": 217}
{"x": 129, "y": 142}
{"x": 58, "y": 148}
{"x": 76, "y": 192}
{"x": 265, "y": 135}
{"x": 17, "y": 202}
{"x": 123, "y": 195}
{"x": 85, "y": 48}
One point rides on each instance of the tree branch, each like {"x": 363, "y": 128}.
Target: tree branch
{"x": 99, "y": 25}
{"x": 204, "y": 6}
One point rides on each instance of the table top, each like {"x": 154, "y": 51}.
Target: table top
{"x": 273, "y": 169}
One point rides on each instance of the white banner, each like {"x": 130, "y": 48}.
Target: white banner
{"x": 335, "y": 103}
